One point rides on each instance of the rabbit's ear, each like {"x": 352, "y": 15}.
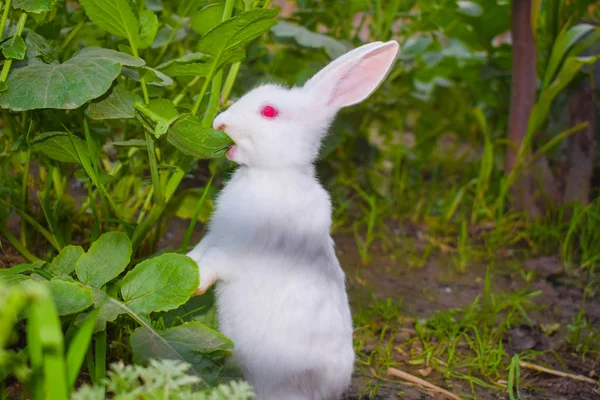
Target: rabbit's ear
{"x": 352, "y": 77}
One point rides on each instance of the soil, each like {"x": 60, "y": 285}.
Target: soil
{"x": 438, "y": 286}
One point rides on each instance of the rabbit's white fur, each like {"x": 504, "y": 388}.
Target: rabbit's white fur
{"x": 281, "y": 294}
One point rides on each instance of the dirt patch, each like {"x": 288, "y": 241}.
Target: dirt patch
{"x": 437, "y": 286}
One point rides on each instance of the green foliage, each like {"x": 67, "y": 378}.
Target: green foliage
{"x": 160, "y": 380}
{"x": 43, "y": 365}
{"x": 91, "y": 73}
{"x": 108, "y": 104}
{"x": 158, "y": 284}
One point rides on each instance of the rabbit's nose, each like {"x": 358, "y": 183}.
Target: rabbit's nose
{"x": 219, "y": 124}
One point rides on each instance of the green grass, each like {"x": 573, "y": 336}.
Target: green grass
{"x": 466, "y": 348}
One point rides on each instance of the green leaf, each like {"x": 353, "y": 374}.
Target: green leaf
{"x": 156, "y": 78}
{"x": 109, "y": 309}
{"x": 309, "y": 39}
{"x": 183, "y": 67}
{"x": 34, "y": 6}
{"x": 78, "y": 347}
{"x": 565, "y": 40}
{"x": 14, "y": 279}
{"x": 190, "y": 137}
{"x": 105, "y": 260}
{"x": 99, "y": 53}
{"x": 64, "y": 263}
{"x": 91, "y": 72}
{"x": 114, "y": 16}
{"x": 160, "y": 111}
{"x": 540, "y": 110}
{"x": 149, "y": 27}
{"x": 70, "y": 297}
{"x": 231, "y": 35}
{"x": 160, "y": 283}
{"x": 139, "y": 143}
{"x": 116, "y": 104}
{"x": 14, "y": 48}
{"x": 208, "y": 18}
{"x": 59, "y": 146}
{"x": 192, "y": 341}
{"x": 17, "y": 269}
{"x": 45, "y": 345}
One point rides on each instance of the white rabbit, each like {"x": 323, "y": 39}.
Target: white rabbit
{"x": 281, "y": 292}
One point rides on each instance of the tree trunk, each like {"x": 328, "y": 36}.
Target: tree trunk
{"x": 523, "y": 89}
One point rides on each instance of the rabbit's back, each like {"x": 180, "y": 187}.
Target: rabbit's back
{"x": 283, "y": 303}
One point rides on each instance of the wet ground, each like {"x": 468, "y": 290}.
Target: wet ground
{"x": 438, "y": 286}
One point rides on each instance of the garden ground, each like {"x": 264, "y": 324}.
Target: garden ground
{"x": 458, "y": 330}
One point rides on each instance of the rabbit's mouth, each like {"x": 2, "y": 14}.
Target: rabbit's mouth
{"x": 231, "y": 151}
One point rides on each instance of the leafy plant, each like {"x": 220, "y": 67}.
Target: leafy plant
{"x": 160, "y": 380}
{"x": 87, "y": 284}
{"x": 45, "y": 366}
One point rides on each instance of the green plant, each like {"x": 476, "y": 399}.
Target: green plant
{"x": 48, "y": 365}
{"x": 126, "y": 124}
{"x": 85, "y": 284}
{"x": 160, "y": 380}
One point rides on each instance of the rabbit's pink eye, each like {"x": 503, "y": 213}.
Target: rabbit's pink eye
{"x": 269, "y": 112}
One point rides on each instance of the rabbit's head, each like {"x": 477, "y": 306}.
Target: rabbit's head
{"x": 276, "y": 127}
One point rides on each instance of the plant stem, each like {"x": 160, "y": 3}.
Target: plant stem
{"x": 231, "y": 77}
{"x": 35, "y": 224}
{"x": 141, "y": 231}
{"x": 134, "y": 50}
{"x": 202, "y": 93}
{"x": 213, "y": 102}
{"x": 16, "y": 244}
{"x": 8, "y": 62}
{"x": 181, "y": 94}
{"x": 24, "y": 196}
{"x": 215, "y": 77}
{"x": 73, "y": 33}
{"x": 192, "y": 225}
{"x": 4, "y": 17}
{"x": 156, "y": 183}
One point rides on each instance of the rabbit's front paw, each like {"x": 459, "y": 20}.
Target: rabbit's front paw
{"x": 207, "y": 278}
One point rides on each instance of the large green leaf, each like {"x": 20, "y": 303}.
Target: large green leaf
{"x": 117, "y": 104}
{"x": 114, "y": 16}
{"x": 224, "y": 42}
{"x": 187, "y": 65}
{"x": 190, "y": 137}
{"x": 70, "y": 297}
{"x": 563, "y": 43}
{"x": 64, "y": 263}
{"x": 309, "y": 39}
{"x": 59, "y": 146}
{"x": 34, "y": 6}
{"x": 105, "y": 260}
{"x": 149, "y": 27}
{"x": 208, "y": 18}
{"x": 160, "y": 283}
{"x": 160, "y": 111}
{"x": 192, "y": 342}
{"x": 90, "y": 74}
